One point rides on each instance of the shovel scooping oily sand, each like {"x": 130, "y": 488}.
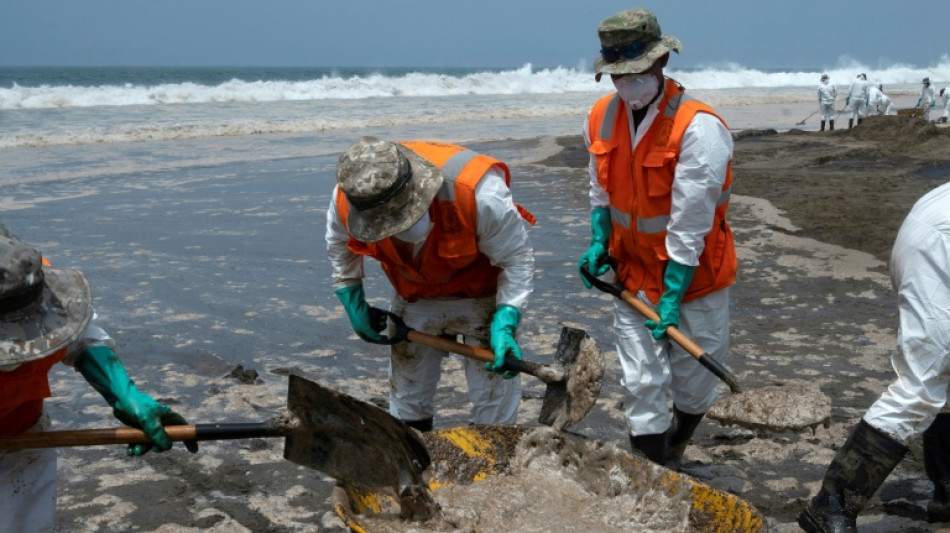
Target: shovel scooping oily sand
{"x": 510, "y": 478}
{"x": 792, "y": 406}
{"x": 573, "y": 383}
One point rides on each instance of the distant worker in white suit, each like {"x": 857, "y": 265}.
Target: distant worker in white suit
{"x": 858, "y": 99}
{"x": 945, "y": 98}
{"x": 927, "y": 98}
{"x": 826, "y": 102}
{"x": 878, "y": 102}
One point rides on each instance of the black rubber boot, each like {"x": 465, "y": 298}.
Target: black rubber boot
{"x": 850, "y": 123}
{"x": 854, "y": 475}
{"x": 423, "y": 425}
{"x": 653, "y": 447}
{"x": 937, "y": 465}
{"x": 860, "y": 120}
{"x": 831, "y": 125}
{"x": 822, "y": 126}
{"x": 684, "y": 425}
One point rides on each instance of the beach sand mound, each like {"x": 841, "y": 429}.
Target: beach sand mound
{"x": 897, "y": 129}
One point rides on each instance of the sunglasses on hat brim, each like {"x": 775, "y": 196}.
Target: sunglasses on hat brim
{"x": 612, "y": 54}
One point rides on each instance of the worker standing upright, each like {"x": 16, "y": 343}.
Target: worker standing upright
{"x": 858, "y": 99}
{"x": 826, "y": 102}
{"x": 927, "y": 98}
{"x": 945, "y": 100}
{"x": 660, "y": 177}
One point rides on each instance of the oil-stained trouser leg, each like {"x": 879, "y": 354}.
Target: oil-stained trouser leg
{"x": 415, "y": 369}
{"x": 28, "y": 487}
{"x": 658, "y": 373}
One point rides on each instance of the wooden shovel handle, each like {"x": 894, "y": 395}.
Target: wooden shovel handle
{"x": 479, "y": 354}
{"x": 404, "y": 332}
{"x": 441, "y": 343}
{"x": 678, "y": 337}
{"x": 126, "y": 435}
{"x": 685, "y": 342}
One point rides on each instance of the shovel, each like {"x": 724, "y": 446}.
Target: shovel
{"x": 350, "y": 440}
{"x": 573, "y": 385}
{"x": 790, "y": 407}
{"x": 802, "y": 122}
{"x": 678, "y": 337}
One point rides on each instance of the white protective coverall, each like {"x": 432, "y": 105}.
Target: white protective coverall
{"x": 858, "y": 97}
{"x": 415, "y": 369}
{"x": 927, "y": 95}
{"x": 826, "y": 100}
{"x": 28, "y": 477}
{"x": 945, "y": 100}
{"x": 920, "y": 274}
{"x": 655, "y": 372}
{"x": 879, "y": 103}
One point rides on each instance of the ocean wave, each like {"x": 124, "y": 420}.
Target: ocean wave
{"x": 226, "y": 127}
{"x": 523, "y": 81}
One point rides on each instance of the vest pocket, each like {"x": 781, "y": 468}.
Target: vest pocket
{"x": 602, "y": 151}
{"x": 458, "y": 253}
{"x": 658, "y": 168}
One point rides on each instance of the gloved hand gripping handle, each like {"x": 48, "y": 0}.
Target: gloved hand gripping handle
{"x": 672, "y": 332}
{"x": 402, "y": 333}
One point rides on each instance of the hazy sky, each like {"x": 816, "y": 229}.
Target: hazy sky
{"x": 440, "y": 33}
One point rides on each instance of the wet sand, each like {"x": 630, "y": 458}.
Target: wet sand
{"x": 199, "y": 271}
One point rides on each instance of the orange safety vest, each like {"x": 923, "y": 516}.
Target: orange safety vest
{"x": 451, "y": 263}
{"x": 22, "y": 391}
{"x": 640, "y": 186}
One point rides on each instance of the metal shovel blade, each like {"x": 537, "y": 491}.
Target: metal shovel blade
{"x": 570, "y": 399}
{"x": 351, "y": 440}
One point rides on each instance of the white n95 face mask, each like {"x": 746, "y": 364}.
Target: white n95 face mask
{"x": 637, "y": 90}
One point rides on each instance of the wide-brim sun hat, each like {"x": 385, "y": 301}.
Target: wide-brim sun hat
{"x": 42, "y": 309}
{"x": 388, "y": 187}
{"x": 631, "y": 41}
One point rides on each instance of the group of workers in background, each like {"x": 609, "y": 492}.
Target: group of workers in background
{"x": 864, "y": 98}
{"x": 441, "y": 221}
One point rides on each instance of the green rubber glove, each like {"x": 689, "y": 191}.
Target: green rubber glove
{"x": 676, "y": 281}
{"x": 595, "y": 258}
{"x": 847, "y": 100}
{"x": 918, "y": 102}
{"x": 366, "y": 322}
{"x": 933, "y": 103}
{"x": 503, "y": 327}
{"x": 105, "y": 372}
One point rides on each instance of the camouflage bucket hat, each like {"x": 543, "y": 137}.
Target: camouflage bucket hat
{"x": 630, "y": 42}
{"x": 388, "y": 186}
{"x": 42, "y": 309}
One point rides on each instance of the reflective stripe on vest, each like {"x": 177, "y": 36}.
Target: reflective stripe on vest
{"x": 639, "y": 181}
{"x": 451, "y": 171}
